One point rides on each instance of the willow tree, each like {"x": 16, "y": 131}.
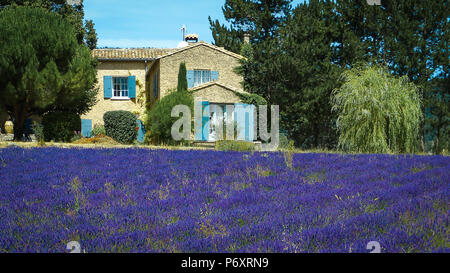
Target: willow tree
{"x": 377, "y": 113}
{"x": 42, "y": 66}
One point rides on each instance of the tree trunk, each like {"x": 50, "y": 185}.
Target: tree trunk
{"x": 20, "y": 114}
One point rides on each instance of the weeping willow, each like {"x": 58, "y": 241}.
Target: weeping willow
{"x": 377, "y": 113}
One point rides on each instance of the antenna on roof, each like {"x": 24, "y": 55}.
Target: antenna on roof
{"x": 183, "y": 30}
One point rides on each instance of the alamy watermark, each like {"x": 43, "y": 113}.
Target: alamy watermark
{"x": 240, "y": 117}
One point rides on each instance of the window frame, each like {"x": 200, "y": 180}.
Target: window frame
{"x": 121, "y": 91}
{"x": 203, "y": 79}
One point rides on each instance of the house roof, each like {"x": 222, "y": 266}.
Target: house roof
{"x": 124, "y": 54}
{"x": 146, "y": 54}
{"x": 218, "y": 83}
{"x": 201, "y": 43}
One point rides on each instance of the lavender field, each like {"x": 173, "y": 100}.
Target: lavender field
{"x": 138, "y": 200}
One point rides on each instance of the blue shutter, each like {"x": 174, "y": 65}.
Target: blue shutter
{"x": 205, "y": 121}
{"x": 190, "y": 78}
{"x": 107, "y": 87}
{"x": 214, "y": 75}
{"x": 132, "y": 87}
{"x": 141, "y": 131}
{"x": 86, "y": 127}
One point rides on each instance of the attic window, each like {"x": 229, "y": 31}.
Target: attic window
{"x": 201, "y": 77}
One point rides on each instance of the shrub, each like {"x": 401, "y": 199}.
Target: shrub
{"x": 121, "y": 126}
{"x": 60, "y": 126}
{"x": 39, "y": 132}
{"x": 159, "y": 120}
{"x": 98, "y": 130}
{"x": 233, "y": 145}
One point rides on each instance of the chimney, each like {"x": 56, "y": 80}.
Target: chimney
{"x": 246, "y": 38}
{"x": 191, "y": 38}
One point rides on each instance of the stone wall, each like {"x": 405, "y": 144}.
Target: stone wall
{"x": 199, "y": 57}
{"x": 118, "y": 69}
{"x": 216, "y": 94}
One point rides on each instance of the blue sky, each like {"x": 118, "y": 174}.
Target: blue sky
{"x": 151, "y": 23}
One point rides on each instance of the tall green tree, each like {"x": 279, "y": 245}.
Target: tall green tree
{"x": 377, "y": 112}
{"x": 42, "y": 65}
{"x": 72, "y": 12}
{"x": 306, "y": 75}
{"x": 182, "y": 78}
{"x": 261, "y": 19}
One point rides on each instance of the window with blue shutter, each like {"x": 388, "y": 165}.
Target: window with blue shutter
{"x": 214, "y": 75}
{"x": 107, "y": 87}
{"x": 190, "y": 78}
{"x": 132, "y": 87}
{"x": 121, "y": 87}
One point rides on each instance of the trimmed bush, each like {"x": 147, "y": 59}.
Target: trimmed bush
{"x": 233, "y": 145}
{"x": 60, "y": 126}
{"x": 159, "y": 120}
{"x": 121, "y": 126}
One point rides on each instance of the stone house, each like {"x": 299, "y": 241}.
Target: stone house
{"x": 128, "y": 77}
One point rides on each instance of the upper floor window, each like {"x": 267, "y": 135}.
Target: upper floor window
{"x": 201, "y": 77}
{"x": 120, "y": 87}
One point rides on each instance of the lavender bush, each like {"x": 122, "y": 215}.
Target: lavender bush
{"x": 136, "y": 200}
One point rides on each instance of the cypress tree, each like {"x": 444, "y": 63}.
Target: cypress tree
{"x": 182, "y": 78}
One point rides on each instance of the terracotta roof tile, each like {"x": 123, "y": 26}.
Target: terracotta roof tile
{"x": 130, "y": 53}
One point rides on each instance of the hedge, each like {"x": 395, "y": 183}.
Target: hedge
{"x": 121, "y": 126}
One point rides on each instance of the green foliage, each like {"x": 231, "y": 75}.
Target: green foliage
{"x": 42, "y": 67}
{"x": 254, "y": 99}
{"x": 121, "y": 126}
{"x": 378, "y": 113}
{"x": 288, "y": 154}
{"x": 38, "y": 130}
{"x": 98, "y": 130}
{"x": 182, "y": 78}
{"x": 298, "y": 65}
{"x": 159, "y": 121}
{"x": 260, "y": 19}
{"x": 233, "y": 145}
{"x": 90, "y": 37}
{"x": 74, "y": 14}
{"x": 60, "y": 126}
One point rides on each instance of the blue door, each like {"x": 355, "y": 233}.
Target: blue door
{"x": 86, "y": 127}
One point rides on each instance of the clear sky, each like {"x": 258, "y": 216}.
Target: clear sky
{"x": 151, "y": 23}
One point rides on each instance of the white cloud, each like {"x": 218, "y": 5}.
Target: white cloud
{"x": 129, "y": 43}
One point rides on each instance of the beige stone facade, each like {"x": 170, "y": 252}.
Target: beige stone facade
{"x": 217, "y": 93}
{"x": 162, "y": 65}
{"x": 118, "y": 69}
{"x": 199, "y": 57}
